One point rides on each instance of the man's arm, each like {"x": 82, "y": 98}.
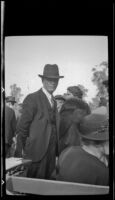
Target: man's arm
{"x": 22, "y": 130}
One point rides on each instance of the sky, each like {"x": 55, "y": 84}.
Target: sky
{"x": 26, "y": 56}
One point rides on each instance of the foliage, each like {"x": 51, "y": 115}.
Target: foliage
{"x": 83, "y": 89}
{"x": 16, "y": 92}
{"x": 100, "y": 73}
{"x": 94, "y": 104}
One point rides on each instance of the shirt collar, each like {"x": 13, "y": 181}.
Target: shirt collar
{"x": 47, "y": 93}
{"x": 49, "y": 96}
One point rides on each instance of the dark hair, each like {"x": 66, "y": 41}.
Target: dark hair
{"x": 76, "y": 91}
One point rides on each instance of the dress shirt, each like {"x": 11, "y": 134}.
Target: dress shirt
{"x": 49, "y": 96}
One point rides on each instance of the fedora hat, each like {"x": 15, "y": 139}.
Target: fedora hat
{"x": 94, "y": 127}
{"x": 60, "y": 97}
{"x": 51, "y": 71}
{"x": 10, "y": 99}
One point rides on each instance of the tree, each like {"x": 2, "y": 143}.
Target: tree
{"x": 100, "y": 73}
{"x": 94, "y": 104}
{"x": 16, "y": 92}
{"x": 83, "y": 89}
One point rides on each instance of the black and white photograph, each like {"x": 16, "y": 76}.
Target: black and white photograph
{"x": 55, "y": 110}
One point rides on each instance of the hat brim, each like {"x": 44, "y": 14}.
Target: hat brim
{"x": 56, "y": 77}
{"x": 97, "y": 137}
{"x": 11, "y": 101}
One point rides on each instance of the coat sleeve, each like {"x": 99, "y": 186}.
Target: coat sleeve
{"x": 22, "y": 130}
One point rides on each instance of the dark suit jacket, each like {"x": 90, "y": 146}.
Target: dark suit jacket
{"x": 76, "y": 165}
{"x": 34, "y": 129}
{"x": 10, "y": 125}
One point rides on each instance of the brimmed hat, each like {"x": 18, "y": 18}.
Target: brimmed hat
{"x": 51, "y": 71}
{"x": 10, "y": 99}
{"x": 94, "y": 127}
{"x": 60, "y": 97}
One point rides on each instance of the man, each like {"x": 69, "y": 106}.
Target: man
{"x": 18, "y": 111}
{"x": 10, "y": 125}
{"x": 10, "y": 101}
{"x": 37, "y": 130}
{"x": 87, "y": 164}
{"x": 60, "y": 101}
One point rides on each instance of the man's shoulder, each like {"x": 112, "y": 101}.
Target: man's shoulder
{"x": 70, "y": 151}
{"x": 33, "y": 95}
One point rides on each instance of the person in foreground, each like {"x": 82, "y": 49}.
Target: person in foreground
{"x": 37, "y": 130}
{"x": 87, "y": 163}
{"x": 10, "y": 125}
{"x": 60, "y": 101}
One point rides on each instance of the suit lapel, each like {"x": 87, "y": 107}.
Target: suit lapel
{"x": 44, "y": 103}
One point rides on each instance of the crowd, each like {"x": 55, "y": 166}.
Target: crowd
{"x": 63, "y": 137}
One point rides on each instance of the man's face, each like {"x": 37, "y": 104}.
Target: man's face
{"x": 60, "y": 102}
{"x": 106, "y": 148}
{"x": 50, "y": 84}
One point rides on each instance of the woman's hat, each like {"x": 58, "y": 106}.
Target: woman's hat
{"x": 10, "y": 99}
{"x": 51, "y": 71}
{"x": 94, "y": 127}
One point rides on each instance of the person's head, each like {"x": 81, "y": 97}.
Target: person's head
{"x": 50, "y": 77}
{"x": 10, "y": 101}
{"x": 94, "y": 132}
{"x": 74, "y": 91}
{"x": 50, "y": 84}
{"x": 60, "y": 101}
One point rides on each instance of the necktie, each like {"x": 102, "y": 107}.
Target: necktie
{"x": 52, "y": 101}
